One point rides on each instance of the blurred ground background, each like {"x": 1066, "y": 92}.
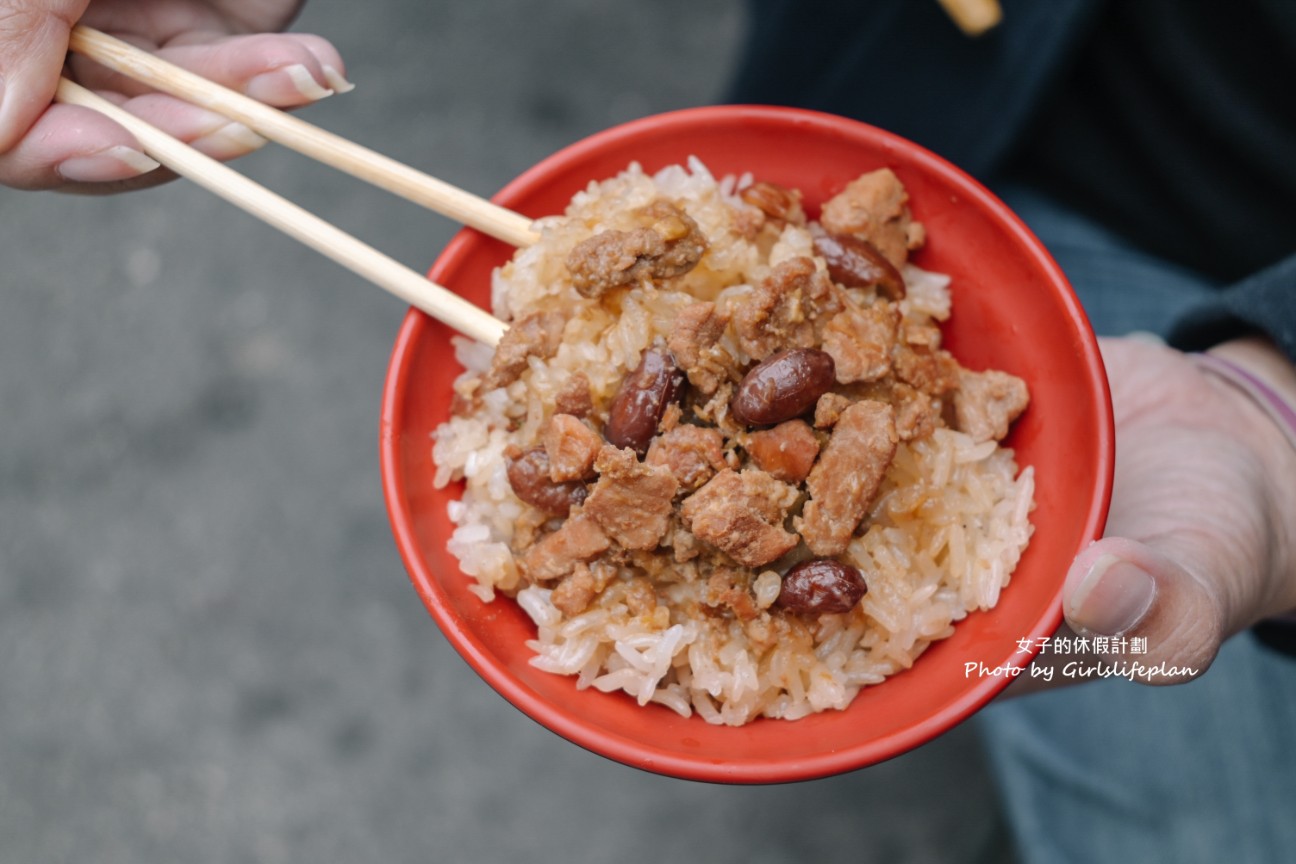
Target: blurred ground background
{"x": 209, "y": 650}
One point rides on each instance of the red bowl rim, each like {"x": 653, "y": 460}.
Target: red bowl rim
{"x": 598, "y": 739}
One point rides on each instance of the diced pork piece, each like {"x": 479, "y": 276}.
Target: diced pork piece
{"x": 536, "y": 335}
{"x": 667, "y": 243}
{"x": 697, "y": 329}
{"x": 921, "y": 334}
{"x": 631, "y": 501}
{"x": 934, "y": 371}
{"x": 685, "y": 243}
{"x": 742, "y": 514}
{"x": 640, "y": 596}
{"x": 671, "y": 418}
{"x": 574, "y": 397}
{"x": 686, "y": 545}
{"x": 860, "y": 340}
{"x": 691, "y": 453}
{"x": 875, "y": 206}
{"x": 715, "y": 410}
{"x": 787, "y": 452}
{"x": 574, "y": 594}
{"x": 777, "y": 313}
{"x": 571, "y": 446}
{"x": 917, "y": 414}
{"x": 612, "y": 259}
{"x": 577, "y": 541}
{"x": 829, "y": 409}
{"x": 846, "y": 478}
{"x": 728, "y": 587}
{"x": 986, "y": 403}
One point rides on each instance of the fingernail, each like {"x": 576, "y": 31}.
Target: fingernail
{"x": 270, "y": 86}
{"x": 8, "y": 136}
{"x": 1112, "y": 597}
{"x": 115, "y": 163}
{"x": 336, "y": 81}
{"x": 231, "y": 139}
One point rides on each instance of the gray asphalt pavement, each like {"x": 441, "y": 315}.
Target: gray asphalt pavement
{"x": 209, "y": 650}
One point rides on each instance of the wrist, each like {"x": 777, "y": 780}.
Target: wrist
{"x": 1263, "y": 384}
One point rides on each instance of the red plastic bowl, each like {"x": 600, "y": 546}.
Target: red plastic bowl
{"x": 1013, "y": 310}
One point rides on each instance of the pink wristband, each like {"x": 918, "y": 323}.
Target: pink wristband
{"x": 1261, "y": 393}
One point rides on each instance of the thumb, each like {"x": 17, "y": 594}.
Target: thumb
{"x": 33, "y": 46}
{"x": 1168, "y": 624}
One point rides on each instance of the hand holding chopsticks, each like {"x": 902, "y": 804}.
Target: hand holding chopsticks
{"x": 289, "y": 218}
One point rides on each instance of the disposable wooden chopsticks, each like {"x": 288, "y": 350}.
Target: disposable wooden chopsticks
{"x": 974, "y": 17}
{"x": 298, "y": 223}
{"x": 309, "y": 140}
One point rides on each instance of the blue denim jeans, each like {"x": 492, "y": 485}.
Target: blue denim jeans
{"x": 1114, "y": 771}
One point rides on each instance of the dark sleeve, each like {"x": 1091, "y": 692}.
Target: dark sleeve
{"x": 1277, "y": 636}
{"x": 1263, "y": 303}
